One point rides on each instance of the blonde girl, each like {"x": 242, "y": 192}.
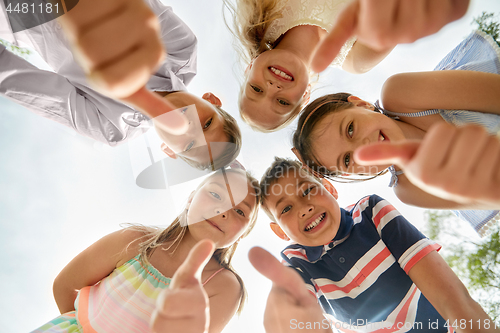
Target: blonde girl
{"x": 112, "y": 286}
{"x": 278, "y": 38}
{"x": 463, "y": 89}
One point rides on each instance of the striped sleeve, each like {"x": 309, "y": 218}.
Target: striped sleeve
{"x": 291, "y": 258}
{"x": 406, "y": 243}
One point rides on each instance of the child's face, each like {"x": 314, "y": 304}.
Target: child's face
{"x": 339, "y": 134}
{"x": 270, "y": 97}
{"x": 221, "y": 209}
{"x": 205, "y": 125}
{"x": 304, "y": 209}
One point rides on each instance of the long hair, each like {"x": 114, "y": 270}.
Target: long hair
{"x": 155, "y": 238}
{"x": 250, "y": 21}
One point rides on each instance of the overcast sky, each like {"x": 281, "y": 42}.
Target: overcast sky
{"x": 60, "y": 192}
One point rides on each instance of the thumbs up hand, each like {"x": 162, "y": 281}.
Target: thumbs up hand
{"x": 459, "y": 164}
{"x": 184, "y": 306}
{"x": 289, "y": 304}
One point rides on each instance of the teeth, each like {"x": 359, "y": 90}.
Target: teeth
{"x": 314, "y": 223}
{"x": 280, "y": 73}
{"x": 382, "y": 138}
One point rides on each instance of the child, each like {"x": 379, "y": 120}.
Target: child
{"x": 278, "y": 39}
{"x": 466, "y": 79}
{"x": 67, "y": 97}
{"x": 368, "y": 266}
{"x": 112, "y": 286}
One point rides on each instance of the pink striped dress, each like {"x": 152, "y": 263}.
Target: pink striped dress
{"x": 122, "y": 302}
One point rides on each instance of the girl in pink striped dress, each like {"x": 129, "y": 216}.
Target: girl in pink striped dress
{"x": 112, "y": 286}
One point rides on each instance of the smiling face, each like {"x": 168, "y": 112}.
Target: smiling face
{"x": 277, "y": 83}
{"x": 222, "y": 208}
{"x": 205, "y": 125}
{"x": 340, "y": 133}
{"x": 305, "y": 210}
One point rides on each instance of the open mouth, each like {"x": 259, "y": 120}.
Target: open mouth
{"x": 315, "y": 223}
{"x": 281, "y": 73}
{"x": 214, "y": 225}
{"x": 382, "y": 137}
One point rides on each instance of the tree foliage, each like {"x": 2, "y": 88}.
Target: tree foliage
{"x": 476, "y": 261}
{"x": 488, "y": 24}
{"x": 22, "y": 52}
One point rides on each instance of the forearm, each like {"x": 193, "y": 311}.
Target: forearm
{"x": 362, "y": 58}
{"x": 469, "y": 316}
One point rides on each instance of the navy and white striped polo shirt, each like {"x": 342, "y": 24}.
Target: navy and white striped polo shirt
{"x": 360, "y": 277}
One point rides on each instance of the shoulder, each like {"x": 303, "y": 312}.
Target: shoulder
{"x": 226, "y": 283}
{"x": 128, "y": 240}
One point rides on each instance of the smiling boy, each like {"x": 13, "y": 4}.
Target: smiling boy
{"x": 367, "y": 265}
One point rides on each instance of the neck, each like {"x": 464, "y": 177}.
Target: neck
{"x": 410, "y": 132}
{"x": 185, "y": 245}
{"x": 302, "y": 40}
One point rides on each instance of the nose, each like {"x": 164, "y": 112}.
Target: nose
{"x": 274, "y": 84}
{"x": 218, "y": 211}
{"x": 306, "y": 209}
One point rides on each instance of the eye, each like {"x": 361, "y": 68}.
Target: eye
{"x": 256, "y": 89}
{"x": 240, "y": 212}
{"x": 184, "y": 110}
{"x": 189, "y": 146}
{"x": 215, "y": 195}
{"x": 347, "y": 160}
{"x": 350, "y": 130}
{"x": 283, "y": 102}
{"x": 208, "y": 123}
{"x": 307, "y": 191}
{"x": 286, "y": 209}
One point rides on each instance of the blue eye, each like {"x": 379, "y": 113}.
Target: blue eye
{"x": 189, "y": 146}
{"x": 286, "y": 209}
{"x": 215, "y": 195}
{"x": 184, "y": 110}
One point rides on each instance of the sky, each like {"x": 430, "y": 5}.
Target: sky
{"x": 60, "y": 192}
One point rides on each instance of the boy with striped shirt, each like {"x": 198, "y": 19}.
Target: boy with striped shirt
{"x": 370, "y": 269}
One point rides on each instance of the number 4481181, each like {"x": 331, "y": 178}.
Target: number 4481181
{"x": 471, "y": 324}
{"x": 25, "y": 8}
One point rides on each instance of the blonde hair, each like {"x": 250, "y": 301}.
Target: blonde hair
{"x": 232, "y": 130}
{"x": 155, "y": 238}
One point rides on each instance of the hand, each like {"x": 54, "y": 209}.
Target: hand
{"x": 184, "y": 306}
{"x": 382, "y": 24}
{"x": 289, "y": 303}
{"x": 117, "y": 43}
{"x": 459, "y": 164}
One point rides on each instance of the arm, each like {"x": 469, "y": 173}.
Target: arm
{"x": 447, "y": 89}
{"x": 380, "y": 25}
{"x": 447, "y": 294}
{"x": 362, "y": 58}
{"x": 92, "y": 265}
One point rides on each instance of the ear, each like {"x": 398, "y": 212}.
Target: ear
{"x": 307, "y": 95}
{"x": 166, "y": 149}
{"x": 330, "y": 188}
{"x": 212, "y": 99}
{"x": 278, "y": 231}
{"x": 249, "y": 67}
{"x": 360, "y": 103}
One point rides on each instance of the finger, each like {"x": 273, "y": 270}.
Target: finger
{"x": 160, "y": 324}
{"x": 386, "y": 153}
{"x": 123, "y": 77}
{"x": 189, "y": 272}
{"x": 467, "y": 148}
{"x": 164, "y": 113}
{"x": 330, "y": 46}
{"x": 411, "y": 21}
{"x": 108, "y": 43}
{"x": 281, "y": 276}
{"x": 435, "y": 148}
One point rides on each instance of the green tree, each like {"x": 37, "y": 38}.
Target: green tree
{"x": 476, "y": 261}
{"x": 488, "y": 24}
{"x": 22, "y": 52}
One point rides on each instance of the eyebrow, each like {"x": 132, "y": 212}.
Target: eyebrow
{"x": 341, "y": 132}
{"x": 283, "y": 197}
